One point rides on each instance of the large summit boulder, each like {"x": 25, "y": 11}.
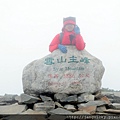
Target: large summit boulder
{"x": 73, "y": 72}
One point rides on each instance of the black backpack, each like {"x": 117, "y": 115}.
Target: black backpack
{"x": 61, "y": 37}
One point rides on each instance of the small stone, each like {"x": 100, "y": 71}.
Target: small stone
{"x": 58, "y": 105}
{"x": 1, "y": 98}
{"x": 44, "y": 106}
{"x": 45, "y": 98}
{"x": 24, "y": 98}
{"x": 81, "y": 112}
{"x": 107, "y": 101}
{"x": 89, "y": 109}
{"x": 70, "y": 99}
{"x": 59, "y": 96}
{"x": 112, "y": 111}
{"x": 30, "y": 111}
{"x": 96, "y": 103}
{"x": 8, "y": 98}
{"x": 92, "y": 103}
{"x": 60, "y": 111}
{"x": 12, "y": 109}
{"x": 70, "y": 108}
{"x": 116, "y": 105}
{"x": 101, "y": 108}
{"x": 98, "y": 95}
{"x": 85, "y": 97}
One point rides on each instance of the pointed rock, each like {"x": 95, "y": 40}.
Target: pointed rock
{"x": 58, "y": 105}
{"x": 27, "y": 99}
{"x": 45, "y": 98}
{"x": 70, "y": 107}
{"x": 59, "y": 96}
{"x": 69, "y": 99}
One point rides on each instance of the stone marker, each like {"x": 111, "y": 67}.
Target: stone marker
{"x": 71, "y": 73}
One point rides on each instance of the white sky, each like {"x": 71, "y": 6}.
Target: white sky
{"x": 28, "y": 26}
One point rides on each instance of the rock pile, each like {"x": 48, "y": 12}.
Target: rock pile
{"x": 60, "y": 84}
{"x": 60, "y": 104}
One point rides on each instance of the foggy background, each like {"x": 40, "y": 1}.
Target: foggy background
{"x": 28, "y": 26}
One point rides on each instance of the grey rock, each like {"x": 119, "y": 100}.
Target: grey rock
{"x": 92, "y": 103}
{"x": 30, "y": 111}
{"x": 101, "y": 108}
{"x": 114, "y": 97}
{"x": 59, "y": 111}
{"x": 96, "y": 103}
{"x": 58, "y": 105}
{"x": 81, "y": 113}
{"x": 69, "y": 99}
{"x": 59, "y": 96}
{"x": 70, "y": 107}
{"x": 45, "y": 98}
{"x": 12, "y": 109}
{"x": 24, "y": 98}
{"x": 85, "y": 97}
{"x": 89, "y": 109}
{"x": 8, "y": 98}
{"x": 4, "y": 103}
{"x": 112, "y": 111}
{"x": 1, "y": 98}
{"x": 44, "y": 106}
{"x": 71, "y": 73}
{"x": 116, "y": 94}
{"x": 116, "y": 105}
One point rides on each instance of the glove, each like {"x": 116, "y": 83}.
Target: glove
{"x": 77, "y": 30}
{"x": 62, "y": 48}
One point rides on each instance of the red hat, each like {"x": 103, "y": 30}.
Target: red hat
{"x": 69, "y": 20}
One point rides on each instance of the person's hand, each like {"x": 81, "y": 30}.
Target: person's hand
{"x": 62, "y": 48}
{"x": 77, "y": 30}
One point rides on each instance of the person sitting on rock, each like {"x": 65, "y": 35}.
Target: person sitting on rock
{"x": 70, "y": 35}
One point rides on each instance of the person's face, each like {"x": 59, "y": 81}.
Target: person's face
{"x": 69, "y": 27}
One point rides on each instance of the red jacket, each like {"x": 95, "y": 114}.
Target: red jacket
{"x": 77, "y": 41}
